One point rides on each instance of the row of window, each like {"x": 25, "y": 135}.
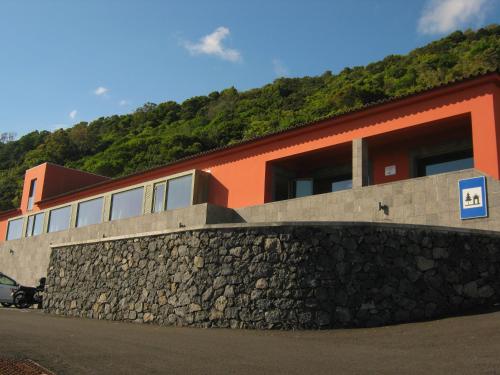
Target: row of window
{"x": 174, "y": 193}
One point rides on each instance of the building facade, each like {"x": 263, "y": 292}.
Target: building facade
{"x": 397, "y": 161}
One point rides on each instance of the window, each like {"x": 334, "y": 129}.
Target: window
{"x": 15, "y": 229}
{"x": 127, "y": 204}
{"x": 450, "y": 162}
{"x": 4, "y": 280}
{"x": 179, "y": 192}
{"x": 342, "y": 185}
{"x": 35, "y": 225}
{"x": 31, "y": 197}
{"x": 303, "y": 187}
{"x": 159, "y": 197}
{"x": 89, "y": 212}
{"x": 59, "y": 219}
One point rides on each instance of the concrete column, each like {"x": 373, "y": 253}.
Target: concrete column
{"x": 148, "y": 199}
{"x": 46, "y": 222}
{"x": 359, "y": 163}
{"x": 74, "y": 214}
{"x": 106, "y": 210}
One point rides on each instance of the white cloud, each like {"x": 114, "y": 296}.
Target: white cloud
{"x": 211, "y": 44}
{"x": 444, "y": 16}
{"x": 100, "y": 91}
{"x": 279, "y": 68}
{"x": 72, "y": 114}
{"x": 123, "y": 102}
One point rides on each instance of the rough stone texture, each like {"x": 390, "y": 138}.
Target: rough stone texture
{"x": 290, "y": 276}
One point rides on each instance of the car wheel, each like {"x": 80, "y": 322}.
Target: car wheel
{"x": 20, "y": 301}
{"x": 6, "y": 304}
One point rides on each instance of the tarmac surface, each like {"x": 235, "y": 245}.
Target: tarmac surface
{"x": 460, "y": 345}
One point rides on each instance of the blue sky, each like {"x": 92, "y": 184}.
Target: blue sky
{"x": 65, "y": 61}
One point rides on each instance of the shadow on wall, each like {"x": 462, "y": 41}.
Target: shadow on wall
{"x": 218, "y": 194}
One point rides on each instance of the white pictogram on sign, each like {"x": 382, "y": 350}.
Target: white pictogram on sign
{"x": 472, "y": 197}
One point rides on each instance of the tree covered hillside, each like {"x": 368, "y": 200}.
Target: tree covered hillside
{"x": 158, "y": 133}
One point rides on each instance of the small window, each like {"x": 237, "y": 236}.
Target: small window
{"x": 179, "y": 192}
{"x": 31, "y": 197}
{"x": 303, "y": 187}
{"x": 15, "y": 229}
{"x": 454, "y": 161}
{"x": 35, "y": 225}
{"x": 4, "y": 280}
{"x": 59, "y": 219}
{"x": 89, "y": 212}
{"x": 127, "y": 204}
{"x": 341, "y": 185}
{"x": 159, "y": 197}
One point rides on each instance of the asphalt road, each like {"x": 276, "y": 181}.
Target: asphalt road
{"x": 463, "y": 345}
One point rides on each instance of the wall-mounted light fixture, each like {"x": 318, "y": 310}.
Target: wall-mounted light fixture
{"x": 383, "y": 207}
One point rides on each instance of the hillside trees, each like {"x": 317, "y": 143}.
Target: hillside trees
{"x": 159, "y": 133}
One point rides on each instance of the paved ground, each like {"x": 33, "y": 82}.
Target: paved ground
{"x": 464, "y": 345}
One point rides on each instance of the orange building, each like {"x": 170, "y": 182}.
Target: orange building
{"x": 451, "y": 127}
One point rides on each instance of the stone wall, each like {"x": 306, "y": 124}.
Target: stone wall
{"x": 282, "y": 276}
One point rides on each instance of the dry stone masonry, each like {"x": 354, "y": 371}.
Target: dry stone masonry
{"x": 287, "y": 277}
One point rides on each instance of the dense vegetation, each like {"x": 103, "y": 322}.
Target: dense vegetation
{"x": 158, "y": 133}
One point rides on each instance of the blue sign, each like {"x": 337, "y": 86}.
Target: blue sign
{"x": 473, "y": 199}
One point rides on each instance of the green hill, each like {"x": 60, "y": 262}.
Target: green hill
{"x": 158, "y": 133}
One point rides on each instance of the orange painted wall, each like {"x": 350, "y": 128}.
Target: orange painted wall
{"x": 240, "y": 174}
{"x": 53, "y": 180}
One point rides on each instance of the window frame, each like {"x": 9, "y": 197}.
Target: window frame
{"x": 19, "y": 219}
{"x": 27, "y": 233}
{"x": 164, "y": 202}
{"x": 79, "y": 203}
{"x": 191, "y": 193}
{"x": 58, "y": 209}
{"x": 138, "y": 187}
{"x": 31, "y": 194}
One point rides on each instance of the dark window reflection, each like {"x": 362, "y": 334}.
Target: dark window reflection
{"x": 450, "y": 162}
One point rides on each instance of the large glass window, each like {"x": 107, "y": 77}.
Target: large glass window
{"x": 35, "y": 225}
{"x": 89, "y": 212}
{"x": 15, "y": 229}
{"x": 454, "y": 161}
{"x": 179, "y": 192}
{"x": 127, "y": 204}
{"x": 159, "y": 197}
{"x": 31, "y": 197}
{"x": 59, "y": 219}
